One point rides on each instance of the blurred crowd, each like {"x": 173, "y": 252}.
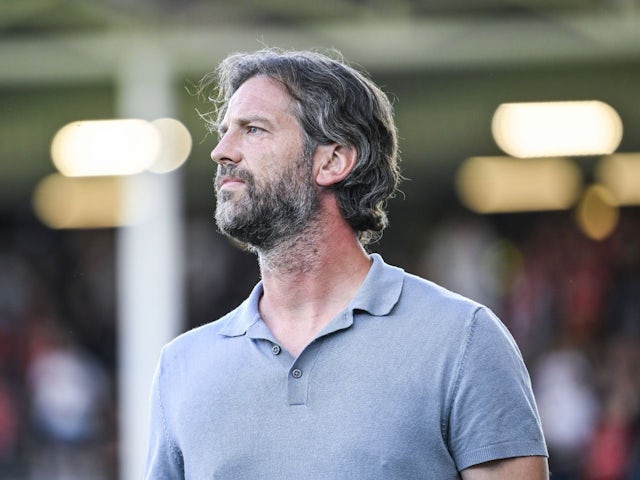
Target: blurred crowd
{"x": 57, "y": 406}
{"x": 573, "y": 305}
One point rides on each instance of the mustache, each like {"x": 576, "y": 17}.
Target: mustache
{"x": 232, "y": 171}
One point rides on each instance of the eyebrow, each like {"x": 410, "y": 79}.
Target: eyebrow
{"x": 244, "y": 121}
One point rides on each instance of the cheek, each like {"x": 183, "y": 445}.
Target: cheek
{"x": 268, "y": 162}
{"x": 260, "y": 156}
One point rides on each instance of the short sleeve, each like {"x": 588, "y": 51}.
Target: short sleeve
{"x": 163, "y": 460}
{"x": 493, "y": 414}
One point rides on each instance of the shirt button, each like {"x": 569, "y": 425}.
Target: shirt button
{"x": 296, "y": 373}
{"x": 275, "y": 350}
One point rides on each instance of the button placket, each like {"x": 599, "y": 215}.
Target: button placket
{"x": 299, "y": 375}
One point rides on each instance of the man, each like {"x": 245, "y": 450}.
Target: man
{"x": 337, "y": 366}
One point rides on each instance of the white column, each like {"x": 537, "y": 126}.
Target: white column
{"x": 149, "y": 256}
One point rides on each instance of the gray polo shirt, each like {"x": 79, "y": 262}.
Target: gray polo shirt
{"x": 410, "y": 381}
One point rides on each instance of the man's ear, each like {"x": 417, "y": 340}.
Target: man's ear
{"x": 333, "y": 163}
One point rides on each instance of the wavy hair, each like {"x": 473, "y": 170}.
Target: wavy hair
{"x": 334, "y": 103}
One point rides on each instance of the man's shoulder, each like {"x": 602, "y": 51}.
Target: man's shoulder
{"x": 451, "y": 316}
{"x": 428, "y": 294}
{"x": 415, "y": 303}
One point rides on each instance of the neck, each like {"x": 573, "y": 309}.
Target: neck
{"x": 308, "y": 280}
{"x": 292, "y": 256}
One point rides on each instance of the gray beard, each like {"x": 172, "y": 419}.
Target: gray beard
{"x": 262, "y": 218}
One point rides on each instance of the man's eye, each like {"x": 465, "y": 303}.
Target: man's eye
{"x": 252, "y": 129}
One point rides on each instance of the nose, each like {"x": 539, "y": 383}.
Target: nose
{"x": 225, "y": 151}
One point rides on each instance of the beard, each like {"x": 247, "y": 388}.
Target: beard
{"x": 263, "y": 216}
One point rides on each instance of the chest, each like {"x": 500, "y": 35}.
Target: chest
{"x": 358, "y": 411}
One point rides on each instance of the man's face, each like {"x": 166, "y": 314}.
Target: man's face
{"x": 264, "y": 184}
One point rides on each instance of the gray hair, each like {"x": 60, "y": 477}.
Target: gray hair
{"x": 334, "y": 103}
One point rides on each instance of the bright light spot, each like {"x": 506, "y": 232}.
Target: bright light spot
{"x": 597, "y": 214}
{"x": 556, "y": 129}
{"x": 502, "y": 184}
{"x": 105, "y": 147}
{"x": 175, "y": 145}
{"x": 620, "y": 173}
{"x": 92, "y": 202}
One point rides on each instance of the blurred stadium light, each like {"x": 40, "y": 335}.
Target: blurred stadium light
{"x": 620, "y": 173}
{"x": 95, "y": 202}
{"x": 105, "y": 147}
{"x": 120, "y": 147}
{"x": 597, "y": 213}
{"x": 549, "y": 129}
{"x": 175, "y": 145}
{"x": 504, "y": 184}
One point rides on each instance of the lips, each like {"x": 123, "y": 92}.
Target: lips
{"x": 229, "y": 178}
{"x": 228, "y": 181}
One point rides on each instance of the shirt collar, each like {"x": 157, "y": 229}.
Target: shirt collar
{"x": 242, "y": 318}
{"x": 380, "y": 290}
{"x": 377, "y": 296}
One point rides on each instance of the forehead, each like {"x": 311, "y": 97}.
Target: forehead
{"x": 260, "y": 96}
